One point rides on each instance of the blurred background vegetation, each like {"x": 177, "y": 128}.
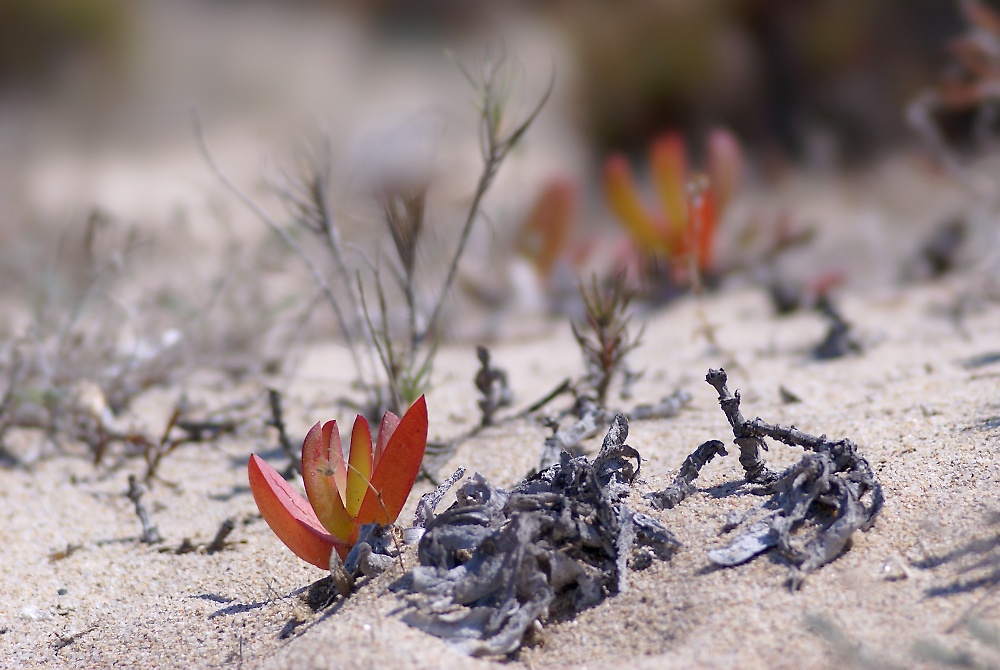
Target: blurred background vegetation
{"x": 786, "y": 75}
{"x": 94, "y": 97}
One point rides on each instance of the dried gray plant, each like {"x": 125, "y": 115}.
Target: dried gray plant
{"x": 89, "y": 349}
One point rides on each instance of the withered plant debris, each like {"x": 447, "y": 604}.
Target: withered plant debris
{"x": 786, "y": 297}
{"x": 191, "y": 431}
{"x": 342, "y": 579}
{"x": 683, "y": 484}
{"x": 492, "y": 385}
{"x": 629, "y": 378}
{"x": 429, "y": 501}
{"x": 150, "y": 534}
{"x": 376, "y": 549}
{"x": 438, "y": 453}
{"x": 65, "y": 640}
{"x": 838, "y": 341}
{"x": 982, "y": 360}
{"x": 186, "y": 547}
{"x": 668, "y": 407}
{"x": 589, "y": 419}
{"x": 558, "y": 543}
{"x": 822, "y": 497}
{"x": 318, "y": 596}
{"x": 393, "y": 364}
{"x": 219, "y": 542}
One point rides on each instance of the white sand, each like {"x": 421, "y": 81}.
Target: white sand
{"x": 915, "y": 412}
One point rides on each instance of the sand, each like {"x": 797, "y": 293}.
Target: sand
{"x": 926, "y": 422}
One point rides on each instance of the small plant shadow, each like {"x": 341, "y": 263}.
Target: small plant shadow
{"x": 976, "y": 563}
{"x": 725, "y": 489}
{"x": 239, "y": 608}
{"x": 237, "y": 490}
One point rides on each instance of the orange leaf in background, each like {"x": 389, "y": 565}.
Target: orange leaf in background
{"x": 371, "y": 488}
{"x": 668, "y": 163}
{"x": 623, "y": 197}
{"x": 547, "y": 231}
{"x": 688, "y": 224}
{"x": 725, "y": 166}
{"x": 701, "y": 221}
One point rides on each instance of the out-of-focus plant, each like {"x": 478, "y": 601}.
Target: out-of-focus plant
{"x": 545, "y": 236}
{"x": 970, "y": 87}
{"x": 71, "y": 374}
{"x": 40, "y": 35}
{"x": 685, "y": 226}
{"x": 604, "y": 337}
{"x": 370, "y": 486}
{"x": 393, "y": 368}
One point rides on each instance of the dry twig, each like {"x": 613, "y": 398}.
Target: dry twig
{"x": 150, "y": 534}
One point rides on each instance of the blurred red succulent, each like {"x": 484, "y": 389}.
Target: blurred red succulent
{"x": 691, "y": 203}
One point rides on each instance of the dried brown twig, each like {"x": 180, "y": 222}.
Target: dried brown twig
{"x": 277, "y": 420}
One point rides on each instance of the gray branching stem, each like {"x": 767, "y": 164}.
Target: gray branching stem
{"x": 750, "y": 445}
{"x": 150, "y": 534}
{"x": 683, "y": 484}
{"x": 844, "y": 454}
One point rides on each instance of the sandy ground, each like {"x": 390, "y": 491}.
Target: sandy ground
{"x": 924, "y": 420}
{"x": 77, "y": 588}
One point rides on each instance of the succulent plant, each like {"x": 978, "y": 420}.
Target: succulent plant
{"x": 370, "y": 486}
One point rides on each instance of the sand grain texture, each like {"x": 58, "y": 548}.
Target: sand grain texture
{"x": 925, "y": 422}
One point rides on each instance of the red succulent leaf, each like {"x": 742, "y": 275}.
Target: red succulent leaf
{"x": 397, "y": 468}
{"x": 290, "y": 516}
{"x": 360, "y": 472}
{"x": 325, "y": 477}
{"x": 385, "y": 430}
